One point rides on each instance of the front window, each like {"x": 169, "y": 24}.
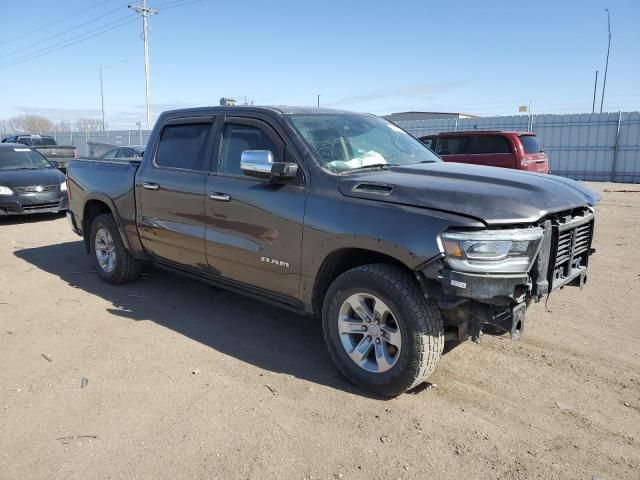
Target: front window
{"x": 22, "y": 159}
{"x": 346, "y": 142}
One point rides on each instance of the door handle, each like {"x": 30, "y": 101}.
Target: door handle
{"x": 150, "y": 186}
{"x": 221, "y": 197}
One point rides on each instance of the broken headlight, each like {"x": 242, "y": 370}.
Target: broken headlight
{"x": 492, "y": 251}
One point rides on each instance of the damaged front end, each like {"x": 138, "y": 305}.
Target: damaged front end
{"x": 489, "y": 277}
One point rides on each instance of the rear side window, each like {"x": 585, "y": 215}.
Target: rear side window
{"x": 238, "y": 138}
{"x": 452, "y": 145}
{"x": 48, "y": 141}
{"x": 25, "y": 140}
{"x": 183, "y": 146}
{"x": 111, "y": 154}
{"x": 429, "y": 142}
{"x": 490, "y": 144}
{"x": 531, "y": 144}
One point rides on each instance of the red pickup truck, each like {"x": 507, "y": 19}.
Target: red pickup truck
{"x": 517, "y": 150}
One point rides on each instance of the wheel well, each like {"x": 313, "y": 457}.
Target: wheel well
{"x": 92, "y": 209}
{"x": 339, "y": 262}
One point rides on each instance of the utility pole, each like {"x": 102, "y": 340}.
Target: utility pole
{"x": 318, "y": 101}
{"x": 606, "y": 65}
{"x": 595, "y": 87}
{"x": 102, "y": 97}
{"x": 146, "y": 12}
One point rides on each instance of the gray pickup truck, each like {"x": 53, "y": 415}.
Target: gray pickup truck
{"x": 58, "y": 155}
{"x": 342, "y": 216}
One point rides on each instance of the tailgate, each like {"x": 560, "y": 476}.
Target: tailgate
{"x": 57, "y": 152}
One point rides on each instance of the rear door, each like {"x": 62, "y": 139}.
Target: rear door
{"x": 454, "y": 148}
{"x": 493, "y": 151}
{"x": 254, "y": 227}
{"x": 534, "y": 158}
{"x": 170, "y": 193}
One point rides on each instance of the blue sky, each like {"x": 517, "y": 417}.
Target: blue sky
{"x": 481, "y": 57}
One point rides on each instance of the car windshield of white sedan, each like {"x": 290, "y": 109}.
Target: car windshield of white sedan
{"x": 348, "y": 142}
{"x": 22, "y": 159}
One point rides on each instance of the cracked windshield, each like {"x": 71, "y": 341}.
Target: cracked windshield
{"x": 343, "y": 143}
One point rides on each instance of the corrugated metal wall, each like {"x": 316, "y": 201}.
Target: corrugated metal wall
{"x": 598, "y": 146}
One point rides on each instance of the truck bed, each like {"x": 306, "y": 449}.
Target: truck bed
{"x": 58, "y": 155}
{"x": 111, "y": 182}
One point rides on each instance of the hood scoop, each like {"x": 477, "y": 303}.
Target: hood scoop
{"x": 378, "y": 188}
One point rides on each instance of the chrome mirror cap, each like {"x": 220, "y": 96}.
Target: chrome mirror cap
{"x": 256, "y": 163}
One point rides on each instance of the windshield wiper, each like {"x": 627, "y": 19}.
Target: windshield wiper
{"x": 372, "y": 166}
{"x": 24, "y": 168}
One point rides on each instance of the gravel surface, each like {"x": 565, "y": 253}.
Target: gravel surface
{"x": 170, "y": 378}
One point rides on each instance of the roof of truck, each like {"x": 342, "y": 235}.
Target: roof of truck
{"x": 481, "y": 132}
{"x": 281, "y": 109}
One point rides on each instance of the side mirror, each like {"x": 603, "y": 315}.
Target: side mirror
{"x": 260, "y": 164}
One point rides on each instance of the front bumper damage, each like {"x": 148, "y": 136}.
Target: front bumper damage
{"x": 470, "y": 301}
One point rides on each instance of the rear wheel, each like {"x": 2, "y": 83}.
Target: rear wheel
{"x": 112, "y": 260}
{"x": 381, "y": 332}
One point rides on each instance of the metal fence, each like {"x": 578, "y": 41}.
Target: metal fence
{"x": 595, "y": 146}
{"x": 80, "y": 140}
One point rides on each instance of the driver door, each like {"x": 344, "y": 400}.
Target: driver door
{"x": 254, "y": 227}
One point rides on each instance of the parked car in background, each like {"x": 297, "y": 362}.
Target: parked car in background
{"x": 58, "y": 155}
{"x": 130, "y": 152}
{"x": 340, "y": 215}
{"x": 29, "y": 183}
{"x": 517, "y": 150}
{"x": 429, "y": 141}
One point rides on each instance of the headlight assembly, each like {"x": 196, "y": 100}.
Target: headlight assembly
{"x": 63, "y": 186}
{"x": 5, "y": 191}
{"x": 492, "y": 251}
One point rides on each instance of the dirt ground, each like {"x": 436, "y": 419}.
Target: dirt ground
{"x": 170, "y": 378}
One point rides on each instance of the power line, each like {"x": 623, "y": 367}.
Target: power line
{"x": 177, "y": 3}
{"x": 80, "y": 38}
{"x": 61, "y": 33}
{"x": 69, "y": 43}
{"x": 56, "y": 22}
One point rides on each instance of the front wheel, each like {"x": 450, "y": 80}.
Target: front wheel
{"x": 111, "y": 259}
{"x": 381, "y": 332}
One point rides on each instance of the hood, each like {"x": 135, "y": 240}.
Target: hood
{"x": 24, "y": 178}
{"x": 493, "y": 195}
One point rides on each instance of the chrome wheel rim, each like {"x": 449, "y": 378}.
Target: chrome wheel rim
{"x": 105, "y": 250}
{"x": 369, "y": 332}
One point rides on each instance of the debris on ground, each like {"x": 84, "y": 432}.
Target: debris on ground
{"x": 84, "y": 382}
{"x": 67, "y": 440}
{"x": 273, "y": 390}
{"x": 46, "y": 357}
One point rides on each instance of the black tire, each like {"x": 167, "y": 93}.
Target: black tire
{"x": 418, "y": 319}
{"x": 127, "y": 267}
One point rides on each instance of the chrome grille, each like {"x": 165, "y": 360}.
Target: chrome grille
{"x": 35, "y": 188}
{"x": 571, "y": 242}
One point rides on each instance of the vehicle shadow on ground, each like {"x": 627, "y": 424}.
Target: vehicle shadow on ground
{"x": 251, "y": 331}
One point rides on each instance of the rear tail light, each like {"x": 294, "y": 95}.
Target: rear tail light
{"x": 66, "y": 179}
{"x": 75, "y": 153}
